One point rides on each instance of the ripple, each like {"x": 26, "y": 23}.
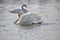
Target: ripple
{"x": 2, "y": 25}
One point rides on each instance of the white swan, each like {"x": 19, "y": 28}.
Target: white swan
{"x": 28, "y": 18}
{"x": 18, "y": 10}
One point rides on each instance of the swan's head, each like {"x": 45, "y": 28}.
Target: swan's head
{"x": 24, "y": 5}
{"x": 20, "y": 14}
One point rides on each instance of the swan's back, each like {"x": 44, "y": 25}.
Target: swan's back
{"x": 16, "y": 11}
{"x": 19, "y": 10}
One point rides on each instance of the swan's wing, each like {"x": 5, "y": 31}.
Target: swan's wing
{"x": 16, "y": 11}
{"x": 35, "y": 18}
{"x": 26, "y": 19}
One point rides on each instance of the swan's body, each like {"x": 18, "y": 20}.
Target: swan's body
{"x": 18, "y": 10}
{"x": 29, "y": 18}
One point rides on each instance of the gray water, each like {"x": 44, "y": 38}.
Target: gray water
{"x": 48, "y": 30}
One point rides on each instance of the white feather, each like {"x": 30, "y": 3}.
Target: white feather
{"x": 29, "y": 18}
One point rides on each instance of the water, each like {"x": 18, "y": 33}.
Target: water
{"x": 48, "y": 30}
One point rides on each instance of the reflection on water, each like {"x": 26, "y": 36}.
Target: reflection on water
{"x": 48, "y": 30}
{"x": 27, "y": 27}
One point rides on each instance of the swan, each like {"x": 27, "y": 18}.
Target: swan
{"x": 18, "y": 10}
{"x": 28, "y": 18}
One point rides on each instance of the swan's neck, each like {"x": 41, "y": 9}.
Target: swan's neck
{"x": 22, "y": 7}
